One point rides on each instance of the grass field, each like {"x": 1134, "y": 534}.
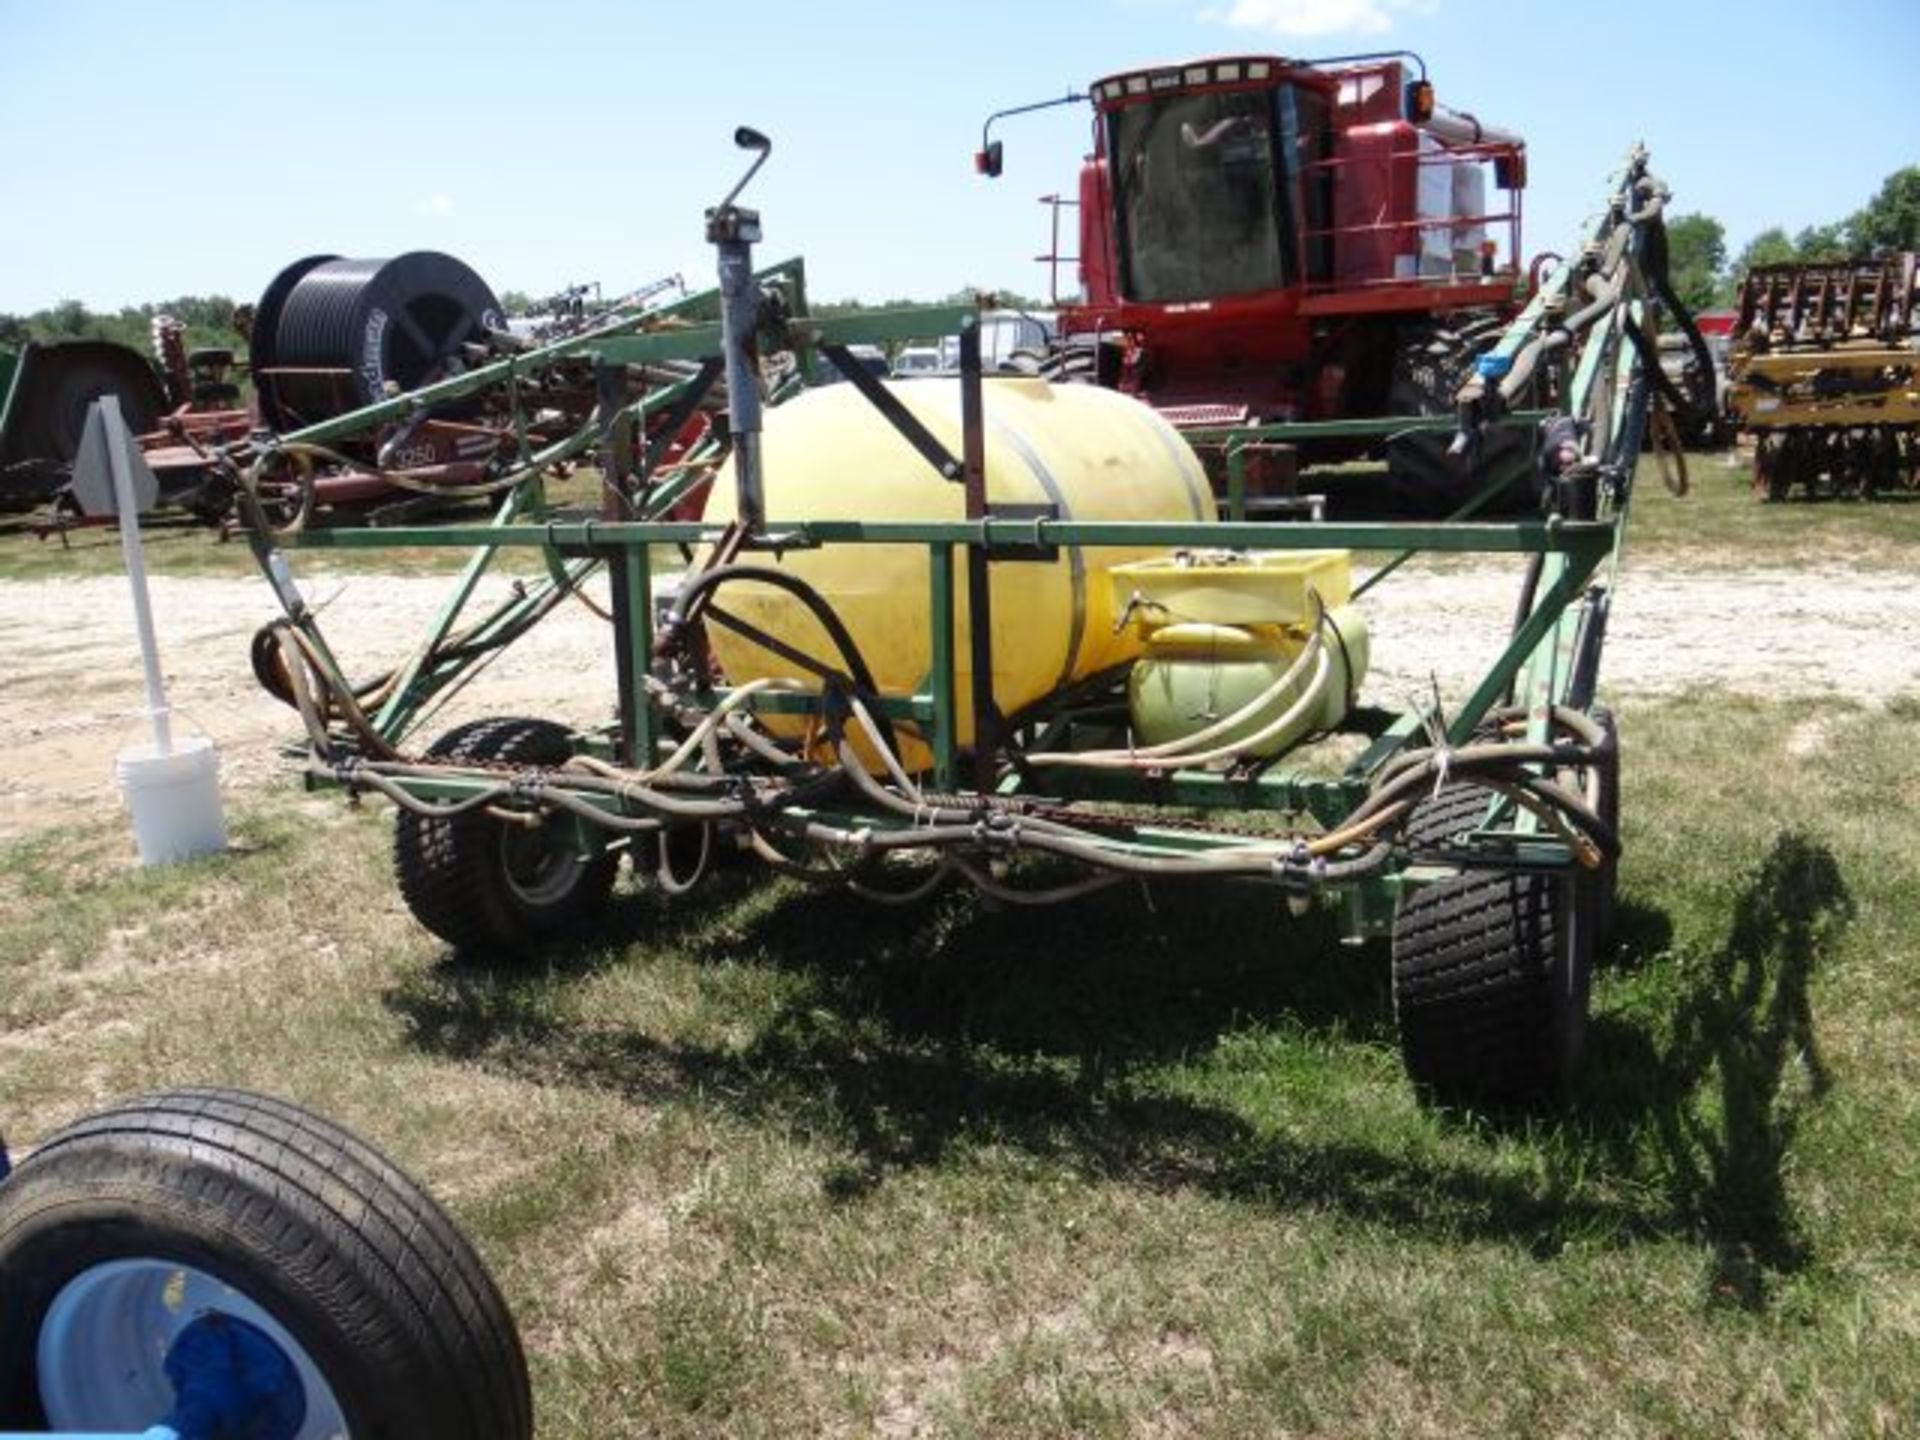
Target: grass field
{"x": 176, "y": 544}
{"x": 779, "y": 1163}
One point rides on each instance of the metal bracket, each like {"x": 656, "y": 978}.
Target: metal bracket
{"x": 1038, "y": 548}
{"x": 897, "y": 415}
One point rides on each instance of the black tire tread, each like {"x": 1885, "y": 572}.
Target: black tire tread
{"x": 1437, "y": 821}
{"x": 1473, "y": 986}
{"x": 328, "y": 1214}
{"x": 441, "y": 863}
{"x": 1430, "y": 364}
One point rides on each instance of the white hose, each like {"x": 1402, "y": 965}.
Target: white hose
{"x": 700, "y": 736}
{"x": 887, "y": 757}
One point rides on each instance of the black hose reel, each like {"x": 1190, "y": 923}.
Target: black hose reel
{"x": 331, "y": 335}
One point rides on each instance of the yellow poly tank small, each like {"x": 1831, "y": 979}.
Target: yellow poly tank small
{"x": 829, "y": 455}
{"x": 1196, "y": 674}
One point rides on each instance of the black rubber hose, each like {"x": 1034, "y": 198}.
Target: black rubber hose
{"x": 829, "y": 618}
{"x": 793, "y": 655}
{"x": 1655, "y": 261}
{"x": 1523, "y": 606}
{"x": 1588, "y": 639}
{"x": 1529, "y": 588}
{"x": 1682, "y": 403}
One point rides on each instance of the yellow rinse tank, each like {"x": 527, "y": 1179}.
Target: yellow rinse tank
{"x": 829, "y": 455}
{"x": 1223, "y": 630}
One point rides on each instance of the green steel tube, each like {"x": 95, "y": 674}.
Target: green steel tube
{"x": 940, "y": 669}
{"x": 1475, "y": 503}
{"x": 1380, "y": 427}
{"x": 1554, "y": 603}
{"x": 1515, "y": 538}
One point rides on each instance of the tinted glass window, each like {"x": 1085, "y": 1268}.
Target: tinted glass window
{"x": 1198, "y": 208}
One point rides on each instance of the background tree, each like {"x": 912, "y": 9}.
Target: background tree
{"x": 1770, "y": 247}
{"x": 1696, "y": 256}
{"x": 1823, "y": 242}
{"x": 1891, "y": 220}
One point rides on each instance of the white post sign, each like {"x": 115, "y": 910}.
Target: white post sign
{"x": 172, "y": 789}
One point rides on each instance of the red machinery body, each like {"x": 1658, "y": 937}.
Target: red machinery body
{"x": 1260, "y": 232}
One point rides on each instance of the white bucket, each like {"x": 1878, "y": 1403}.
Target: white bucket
{"x": 175, "y": 799}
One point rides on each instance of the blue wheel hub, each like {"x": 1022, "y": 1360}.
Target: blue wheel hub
{"x": 131, "y": 1344}
{"x": 232, "y": 1382}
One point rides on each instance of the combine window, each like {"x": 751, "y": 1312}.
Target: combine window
{"x": 1199, "y": 208}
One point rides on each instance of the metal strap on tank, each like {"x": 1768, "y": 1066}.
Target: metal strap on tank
{"x": 1183, "y": 461}
{"x": 1076, "y": 558}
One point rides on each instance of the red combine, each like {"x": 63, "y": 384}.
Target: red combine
{"x": 1270, "y": 240}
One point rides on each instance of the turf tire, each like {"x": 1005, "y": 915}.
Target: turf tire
{"x": 1491, "y": 972}
{"x": 1430, "y": 365}
{"x": 348, "y": 1255}
{"x": 480, "y": 884}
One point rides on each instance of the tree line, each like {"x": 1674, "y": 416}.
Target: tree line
{"x": 208, "y": 318}
{"x": 1704, "y": 277}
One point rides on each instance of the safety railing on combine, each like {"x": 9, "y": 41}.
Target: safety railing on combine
{"x": 1414, "y": 216}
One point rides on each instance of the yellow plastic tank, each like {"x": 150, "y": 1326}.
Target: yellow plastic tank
{"x": 829, "y": 455}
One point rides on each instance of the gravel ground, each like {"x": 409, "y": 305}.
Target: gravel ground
{"x": 70, "y": 687}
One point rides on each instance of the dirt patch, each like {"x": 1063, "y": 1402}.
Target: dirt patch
{"x": 71, "y": 694}
{"x": 1772, "y": 633}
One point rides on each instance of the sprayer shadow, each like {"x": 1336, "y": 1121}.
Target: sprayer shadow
{"x": 911, "y": 1033}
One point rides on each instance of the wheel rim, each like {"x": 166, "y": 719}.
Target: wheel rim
{"x": 539, "y": 869}
{"x": 106, "y": 1336}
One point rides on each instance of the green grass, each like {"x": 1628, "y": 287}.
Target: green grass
{"x": 1719, "y": 524}
{"x": 778, "y": 1162}
{"x": 178, "y": 546}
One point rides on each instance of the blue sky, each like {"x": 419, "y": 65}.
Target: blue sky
{"x": 152, "y": 150}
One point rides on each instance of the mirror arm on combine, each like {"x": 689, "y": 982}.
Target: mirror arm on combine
{"x": 986, "y": 160}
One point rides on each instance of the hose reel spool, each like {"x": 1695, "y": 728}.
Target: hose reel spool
{"x": 331, "y": 335}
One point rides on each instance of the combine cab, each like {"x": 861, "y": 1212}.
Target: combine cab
{"x": 1264, "y": 241}
{"x": 1823, "y": 374}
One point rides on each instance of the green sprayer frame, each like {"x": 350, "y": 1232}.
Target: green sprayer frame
{"x": 1579, "y": 343}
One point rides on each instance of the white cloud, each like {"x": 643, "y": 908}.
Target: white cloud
{"x": 1314, "y": 17}
{"x": 438, "y": 203}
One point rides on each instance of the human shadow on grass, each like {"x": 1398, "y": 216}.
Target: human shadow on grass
{"x": 912, "y": 1033}
{"x": 1717, "y": 1105}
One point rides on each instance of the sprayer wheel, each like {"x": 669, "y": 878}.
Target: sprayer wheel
{"x": 1491, "y": 969}
{"x": 480, "y": 883}
{"x": 1491, "y": 972}
{"x": 241, "y": 1247}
